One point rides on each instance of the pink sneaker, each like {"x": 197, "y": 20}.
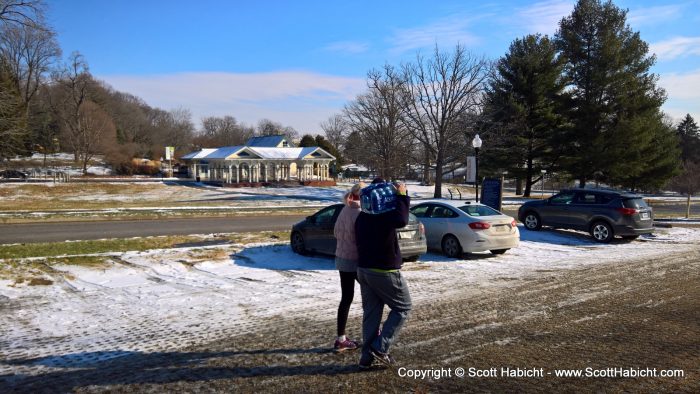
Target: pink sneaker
{"x": 347, "y": 344}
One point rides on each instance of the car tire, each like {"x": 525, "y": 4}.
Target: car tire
{"x": 499, "y": 251}
{"x": 451, "y": 246}
{"x": 297, "y": 242}
{"x": 602, "y": 232}
{"x": 532, "y": 221}
{"x": 411, "y": 259}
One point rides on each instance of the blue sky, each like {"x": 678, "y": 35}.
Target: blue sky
{"x": 298, "y": 62}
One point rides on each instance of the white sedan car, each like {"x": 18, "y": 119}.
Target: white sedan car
{"x": 458, "y": 227}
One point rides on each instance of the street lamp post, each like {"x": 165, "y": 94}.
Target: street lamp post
{"x": 543, "y": 174}
{"x": 476, "y": 143}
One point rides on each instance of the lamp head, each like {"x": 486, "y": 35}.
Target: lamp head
{"x": 476, "y": 142}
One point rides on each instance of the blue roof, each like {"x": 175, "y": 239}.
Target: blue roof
{"x": 269, "y": 141}
{"x": 224, "y": 152}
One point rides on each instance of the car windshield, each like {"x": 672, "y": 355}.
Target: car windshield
{"x": 636, "y": 203}
{"x": 479, "y": 210}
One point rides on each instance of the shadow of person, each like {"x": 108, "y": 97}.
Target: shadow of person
{"x": 76, "y": 370}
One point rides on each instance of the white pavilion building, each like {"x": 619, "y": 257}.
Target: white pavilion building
{"x": 261, "y": 159}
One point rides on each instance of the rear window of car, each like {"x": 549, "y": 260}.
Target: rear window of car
{"x": 636, "y": 203}
{"x": 479, "y": 210}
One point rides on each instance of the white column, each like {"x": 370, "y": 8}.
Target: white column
{"x": 238, "y": 173}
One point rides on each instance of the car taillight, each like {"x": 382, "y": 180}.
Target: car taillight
{"x": 627, "y": 211}
{"x": 513, "y": 224}
{"x": 479, "y": 226}
{"x": 421, "y": 228}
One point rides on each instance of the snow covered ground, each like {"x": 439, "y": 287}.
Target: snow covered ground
{"x": 162, "y": 300}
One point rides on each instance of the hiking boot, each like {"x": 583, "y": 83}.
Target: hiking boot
{"x": 347, "y": 344}
{"x": 383, "y": 358}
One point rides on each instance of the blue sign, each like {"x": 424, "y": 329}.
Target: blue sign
{"x": 491, "y": 193}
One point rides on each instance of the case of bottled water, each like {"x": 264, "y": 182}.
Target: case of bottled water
{"x": 378, "y": 198}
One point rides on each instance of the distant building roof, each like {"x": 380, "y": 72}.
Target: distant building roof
{"x": 269, "y": 141}
{"x": 200, "y": 154}
{"x": 224, "y": 152}
{"x": 354, "y": 167}
{"x": 270, "y": 153}
{"x": 290, "y": 153}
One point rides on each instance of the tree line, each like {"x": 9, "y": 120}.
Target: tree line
{"x": 582, "y": 104}
{"x": 48, "y": 105}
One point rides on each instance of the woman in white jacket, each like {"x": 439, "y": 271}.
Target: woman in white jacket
{"x": 346, "y": 262}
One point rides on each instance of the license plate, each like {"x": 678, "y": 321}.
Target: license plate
{"x": 406, "y": 234}
{"x": 500, "y": 228}
{"x": 645, "y": 215}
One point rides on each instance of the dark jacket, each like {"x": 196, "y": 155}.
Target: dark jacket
{"x": 375, "y": 235}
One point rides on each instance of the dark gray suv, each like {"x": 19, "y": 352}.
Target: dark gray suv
{"x": 604, "y": 214}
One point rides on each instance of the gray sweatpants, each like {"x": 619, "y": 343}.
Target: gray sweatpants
{"x": 379, "y": 289}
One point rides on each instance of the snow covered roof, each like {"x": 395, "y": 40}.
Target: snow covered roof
{"x": 292, "y": 153}
{"x": 269, "y": 141}
{"x": 200, "y": 154}
{"x": 224, "y": 152}
{"x": 354, "y": 167}
{"x": 262, "y": 153}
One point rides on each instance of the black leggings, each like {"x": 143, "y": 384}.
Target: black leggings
{"x": 347, "y": 288}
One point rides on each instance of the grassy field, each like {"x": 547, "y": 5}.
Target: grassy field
{"x": 124, "y": 201}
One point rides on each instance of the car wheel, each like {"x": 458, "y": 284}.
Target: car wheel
{"x": 297, "y": 241}
{"x": 451, "y": 246}
{"x": 499, "y": 251}
{"x": 411, "y": 258}
{"x": 532, "y": 221}
{"x": 602, "y": 232}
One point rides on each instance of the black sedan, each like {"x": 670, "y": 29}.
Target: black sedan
{"x": 315, "y": 234}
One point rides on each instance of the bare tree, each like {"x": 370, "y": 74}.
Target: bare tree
{"x": 13, "y": 128}
{"x": 687, "y": 182}
{"x": 379, "y": 117}
{"x": 336, "y": 130}
{"x": 96, "y": 128}
{"x": 22, "y": 12}
{"x": 268, "y": 127}
{"x": 225, "y": 131}
{"x": 72, "y": 86}
{"x": 29, "y": 52}
{"x": 443, "y": 89}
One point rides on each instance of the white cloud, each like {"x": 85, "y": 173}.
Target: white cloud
{"x": 676, "y": 47}
{"x": 654, "y": 15}
{"x": 350, "y": 47}
{"x": 544, "y": 17}
{"x": 445, "y": 32}
{"x": 683, "y": 93}
{"x": 682, "y": 86}
{"x": 294, "y": 98}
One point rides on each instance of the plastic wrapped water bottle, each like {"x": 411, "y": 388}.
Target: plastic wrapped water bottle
{"x": 378, "y": 198}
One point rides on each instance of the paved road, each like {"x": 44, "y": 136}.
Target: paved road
{"x": 64, "y": 231}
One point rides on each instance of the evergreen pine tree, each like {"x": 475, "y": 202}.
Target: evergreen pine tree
{"x": 523, "y": 109}
{"x": 615, "y": 104}
{"x": 689, "y": 138}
